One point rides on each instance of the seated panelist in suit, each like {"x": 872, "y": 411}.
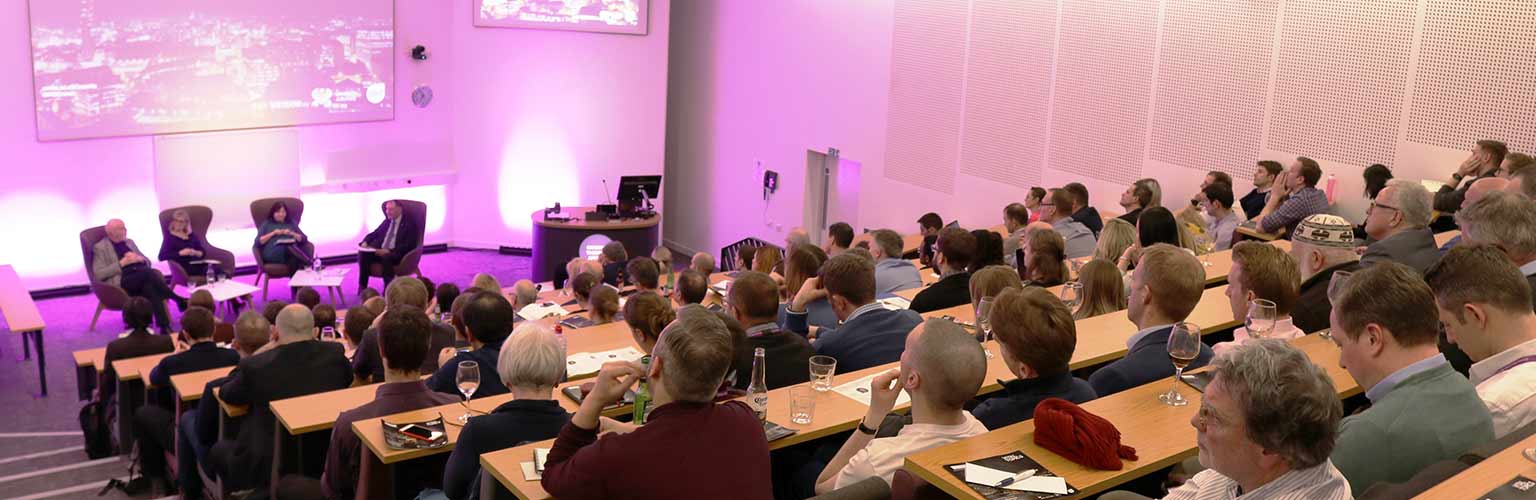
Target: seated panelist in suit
{"x": 277, "y": 237}
{"x": 118, "y": 261}
{"x": 182, "y": 245}
{"x": 394, "y": 238}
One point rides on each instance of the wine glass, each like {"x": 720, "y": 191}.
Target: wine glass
{"x": 1183, "y": 348}
{"x": 984, "y": 321}
{"x": 1205, "y": 245}
{"x": 468, "y": 380}
{"x": 1072, "y": 295}
{"x": 1261, "y": 318}
{"x": 1336, "y": 285}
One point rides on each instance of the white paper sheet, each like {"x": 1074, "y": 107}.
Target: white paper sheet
{"x": 583, "y": 363}
{"x": 529, "y": 473}
{"x": 987, "y": 476}
{"x": 895, "y": 303}
{"x": 538, "y": 310}
{"x": 858, "y": 390}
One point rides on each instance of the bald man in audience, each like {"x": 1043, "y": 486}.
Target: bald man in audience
{"x": 1520, "y": 182}
{"x": 1484, "y": 306}
{"x": 796, "y": 236}
{"x": 1322, "y": 245}
{"x": 296, "y": 364}
{"x": 1506, "y": 221}
{"x": 1422, "y": 411}
{"x": 1166, "y": 287}
{"x": 722, "y": 446}
{"x": 524, "y": 293}
{"x": 1478, "y": 189}
{"x": 703, "y": 263}
{"x": 942, "y": 368}
{"x": 1398, "y": 223}
{"x": 692, "y": 288}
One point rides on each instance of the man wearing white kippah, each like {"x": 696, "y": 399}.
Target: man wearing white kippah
{"x": 1322, "y": 245}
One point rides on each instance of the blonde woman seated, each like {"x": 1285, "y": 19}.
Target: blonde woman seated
{"x": 1045, "y": 259}
{"x": 647, "y": 314}
{"x": 1117, "y": 236}
{"x": 992, "y": 280}
{"x": 486, "y": 283}
{"x": 1103, "y": 289}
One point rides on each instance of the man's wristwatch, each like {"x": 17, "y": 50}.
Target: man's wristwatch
{"x": 865, "y": 429}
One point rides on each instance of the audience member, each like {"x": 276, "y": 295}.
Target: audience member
{"x": 1477, "y": 191}
{"x": 928, "y": 226}
{"x": 892, "y": 273}
{"x": 991, "y": 280}
{"x": 525, "y": 293}
{"x": 1521, "y": 182}
{"x": 703, "y": 264}
{"x": 137, "y": 314}
{"x": 582, "y": 286}
{"x": 117, "y": 261}
{"x": 692, "y": 287}
{"x": 1116, "y": 237}
{"x": 1081, "y": 210}
{"x": 754, "y": 302}
{"x": 663, "y": 258}
{"x": 1266, "y": 426}
{"x": 488, "y": 319}
{"x": 613, "y": 259}
{"x": 1156, "y": 225}
{"x": 942, "y": 368}
{"x": 204, "y": 299}
{"x": 1261, "y": 271}
{"x": 325, "y": 317}
{"x": 1157, "y": 192}
{"x": 989, "y": 249}
{"x": 1506, "y": 221}
{"x": 195, "y": 436}
{"x": 869, "y": 334}
{"x": 1376, "y": 177}
{"x": 1221, "y": 221}
{"x": 1166, "y": 287}
{"x": 1264, "y": 177}
{"x": 1322, "y": 246}
{"x": 306, "y": 297}
{"x": 295, "y": 364}
{"x": 956, "y": 248}
{"x": 357, "y": 321}
{"x": 483, "y": 281}
{"x": 839, "y": 238}
{"x": 1036, "y": 334}
{"x": 768, "y": 260}
{"x": 805, "y": 263}
{"x": 1294, "y": 198}
{"x": 1032, "y": 202}
{"x": 1513, "y": 163}
{"x": 271, "y": 308}
{"x": 647, "y": 314}
{"x": 1484, "y": 305}
{"x": 1079, "y": 239}
{"x": 403, "y": 291}
{"x": 1045, "y": 259}
{"x": 154, "y": 423}
{"x": 1103, "y": 289}
{"x": 1015, "y": 218}
{"x": 531, "y": 366}
{"x": 796, "y": 237}
{"x": 744, "y": 258}
{"x": 367, "y": 294}
{"x": 442, "y": 301}
{"x": 1397, "y": 222}
{"x": 1483, "y": 162}
{"x": 605, "y": 305}
{"x": 690, "y": 363}
{"x": 1135, "y": 198}
{"x": 1421, "y": 410}
{"x": 643, "y": 273}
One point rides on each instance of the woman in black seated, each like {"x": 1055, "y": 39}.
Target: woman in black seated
{"x": 185, "y": 247}
{"x": 279, "y": 239}
{"x": 531, "y": 364}
{"x": 989, "y": 249}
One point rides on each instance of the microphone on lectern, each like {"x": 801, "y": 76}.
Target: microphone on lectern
{"x": 605, "y": 192}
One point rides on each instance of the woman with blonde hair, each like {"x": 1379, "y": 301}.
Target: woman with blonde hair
{"x": 1117, "y": 236}
{"x": 185, "y": 247}
{"x": 992, "y": 280}
{"x": 766, "y": 260}
{"x": 1103, "y": 289}
{"x": 486, "y": 283}
{"x": 1045, "y": 259}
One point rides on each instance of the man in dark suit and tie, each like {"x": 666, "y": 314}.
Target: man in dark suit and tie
{"x": 295, "y": 365}
{"x": 394, "y": 238}
{"x": 1166, "y": 287}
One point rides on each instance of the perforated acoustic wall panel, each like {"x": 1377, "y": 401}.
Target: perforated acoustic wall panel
{"x": 1008, "y": 90}
{"x": 927, "y": 70}
{"x": 1341, "y": 77}
{"x": 1103, "y": 88}
{"x": 1213, "y": 77}
{"x": 1476, "y": 77}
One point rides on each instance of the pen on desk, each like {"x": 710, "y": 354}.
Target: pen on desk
{"x": 1026, "y": 474}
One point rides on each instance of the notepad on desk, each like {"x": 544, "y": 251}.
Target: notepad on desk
{"x": 983, "y": 476}
{"x": 895, "y": 303}
{"x": 541, "y": 310}
{"x": 858, "y": 390}
{"x": 534, "y": 471}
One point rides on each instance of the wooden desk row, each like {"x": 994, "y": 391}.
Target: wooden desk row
{"x": 1498, "y": 469}
{"x": 1100, "y": 339}
{"x": 1161, "y": 434}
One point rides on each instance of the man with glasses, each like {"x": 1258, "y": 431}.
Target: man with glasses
{"x": 1397, "y": 222}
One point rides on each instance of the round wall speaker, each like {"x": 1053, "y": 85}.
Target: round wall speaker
{"x": 422, "y": 96}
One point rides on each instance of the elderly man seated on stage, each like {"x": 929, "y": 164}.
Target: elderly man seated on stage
{"x": 118, "y": 261}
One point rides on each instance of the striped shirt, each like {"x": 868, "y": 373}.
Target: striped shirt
{"x": 1323, "y": 482}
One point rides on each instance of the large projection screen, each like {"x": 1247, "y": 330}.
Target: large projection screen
{"x": 105, "y": 68}
{"x": 603, "y": 16}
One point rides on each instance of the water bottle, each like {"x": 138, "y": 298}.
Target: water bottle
{"x": 642, "y": 394}
{"x": 758, "y": 389}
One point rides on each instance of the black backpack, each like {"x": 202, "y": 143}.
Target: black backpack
{"x": 98, "y": 434}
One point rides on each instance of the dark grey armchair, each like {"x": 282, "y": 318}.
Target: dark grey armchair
{"x": 410, "y": 263}
{"x": 201, "y": 217}
{"x": 108, "y": 296}
{"x": 259, "y": 209}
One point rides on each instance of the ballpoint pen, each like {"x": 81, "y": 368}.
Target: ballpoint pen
{"x": 1026, "y": 474}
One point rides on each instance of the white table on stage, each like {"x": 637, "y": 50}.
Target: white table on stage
{"x": 329, "y": 278}
{"x": 226, "y": 290}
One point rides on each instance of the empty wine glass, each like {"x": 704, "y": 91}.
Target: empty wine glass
{"x": 1183, "y": 348}
{"x": 984, "y": 321}
{"x": 1336, "y": 285}
{"x": 1205, "y": 245}
{"x": 468, "y": 380}
{"x": 1261, "y": 318}
{"x": 1072, "y": 295}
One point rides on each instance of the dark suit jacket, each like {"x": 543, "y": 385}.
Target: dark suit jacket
{"x": 1147, "y": 361}
{"x": 1134, "y": 216}
{"x": 1448, "y": 199}
{"x": 1089, "y": 216}
{"x": 949, "y": 291}
{"x": 1414, "y": 248}
{"x": 874, "y": 338}
{"x": 1312, "y": 306}
{"x": 405, "y": 236}
{"x": 292, "y": 370}
{"x": 136, "y": 344}
{"x": 787, "y": 355}
{"x": 367, "y": 364}
{"x": 613, "y": 273}
{"x": 199, "y": 357}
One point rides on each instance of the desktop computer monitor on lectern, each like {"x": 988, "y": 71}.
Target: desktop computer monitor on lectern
{"x": 635, "y": 193}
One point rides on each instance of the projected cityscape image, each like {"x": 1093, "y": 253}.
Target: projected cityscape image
{"x": 111, "y": 68}
{"x": 612, "y": 16}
